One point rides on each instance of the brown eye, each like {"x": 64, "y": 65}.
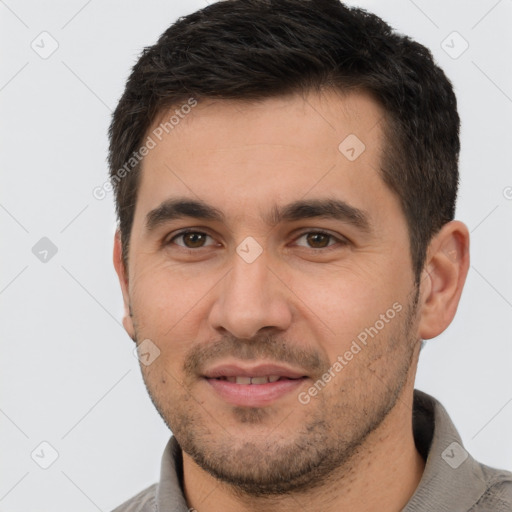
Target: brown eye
{"x": 318, "y": 240}
{"x": 191, "y": 239}
{"x": 194, "y": 240}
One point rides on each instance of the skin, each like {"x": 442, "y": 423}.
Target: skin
{"x": 301, "y": 302}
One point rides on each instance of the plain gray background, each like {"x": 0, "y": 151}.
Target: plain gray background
{"x": 68, "y": 375}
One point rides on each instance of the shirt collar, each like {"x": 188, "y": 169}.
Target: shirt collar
{"x": 169, "y": 493}
{"x": 452, "y": 479}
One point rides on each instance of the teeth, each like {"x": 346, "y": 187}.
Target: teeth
{"x": 253, "y": 380}
{"x": 259, "y": 380}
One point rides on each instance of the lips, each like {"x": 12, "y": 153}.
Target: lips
{"x": 253, "y": 386}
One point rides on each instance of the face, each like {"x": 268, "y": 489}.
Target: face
{"x": 270, "y": 266}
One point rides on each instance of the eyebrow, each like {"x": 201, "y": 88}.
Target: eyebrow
{"x": 321, "y": 208}
{"x": 178, "y": 208}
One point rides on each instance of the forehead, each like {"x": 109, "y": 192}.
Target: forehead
{"x": 242, "y": 156}
{"x": 303, "y": 122}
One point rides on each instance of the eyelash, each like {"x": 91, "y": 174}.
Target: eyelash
{"x": 340, "y": 240}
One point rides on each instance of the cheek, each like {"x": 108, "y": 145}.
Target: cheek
{"x": 169, "y": 309}
{"x": 161, "y": 291}
{"x": 343, "y": 304}
{"x": 164, "y": 385}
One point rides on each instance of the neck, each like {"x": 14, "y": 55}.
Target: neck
{"x": 382, "y": 476}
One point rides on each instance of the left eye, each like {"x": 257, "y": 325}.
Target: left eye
{"x": 192, "y": 240}
{"x": 317, "y": 240}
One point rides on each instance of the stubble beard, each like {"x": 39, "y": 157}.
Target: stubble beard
{"x": 325, "y": 444}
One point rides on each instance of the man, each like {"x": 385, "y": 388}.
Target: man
{"x": 286, "y": 175}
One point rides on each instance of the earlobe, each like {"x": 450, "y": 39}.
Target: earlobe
{"x": 446, "y": 268}
{"x": 122, "y": 274}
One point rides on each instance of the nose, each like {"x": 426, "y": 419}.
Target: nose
{"x": 250, "y": 298}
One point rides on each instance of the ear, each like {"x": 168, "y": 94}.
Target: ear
{"x": 444, "y": 275}
{"x": 122, "y": 274}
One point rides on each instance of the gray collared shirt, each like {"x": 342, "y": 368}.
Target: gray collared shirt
{"x": 452, "y": 481}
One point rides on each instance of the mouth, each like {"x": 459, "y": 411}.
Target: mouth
{"x": 255, "y": 380}
{"x": 255, "y": 386}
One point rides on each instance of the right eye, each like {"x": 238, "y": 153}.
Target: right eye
{"x": 191, "y": 239}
